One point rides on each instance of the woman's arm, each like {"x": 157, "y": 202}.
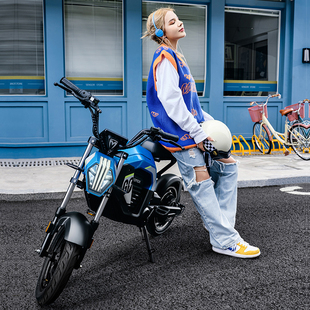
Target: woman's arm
{"x": 170, "y": 95}
{"x": 206, "y": 116}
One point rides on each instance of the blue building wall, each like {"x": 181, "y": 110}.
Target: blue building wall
{"x": 57, "y": 125}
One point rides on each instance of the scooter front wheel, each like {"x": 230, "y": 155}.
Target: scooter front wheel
{"x": 56, "y": 269}
{"x": 158, "y": 224}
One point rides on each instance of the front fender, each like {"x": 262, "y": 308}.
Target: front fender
{"x": 167, "y": 180}
{"x": 78, "y": 230}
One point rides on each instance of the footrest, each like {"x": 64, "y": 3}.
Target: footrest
{"x": 91, "y": 212}
{"x": 161, "y": 210}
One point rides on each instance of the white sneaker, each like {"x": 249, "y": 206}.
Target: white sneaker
{"x": 241, "y": 249}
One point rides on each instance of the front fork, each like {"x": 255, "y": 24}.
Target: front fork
{"x": 61, "y": 210}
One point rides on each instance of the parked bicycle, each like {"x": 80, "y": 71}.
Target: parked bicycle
{"x": 296, "y": 134}
{"x": 120, "y": 182}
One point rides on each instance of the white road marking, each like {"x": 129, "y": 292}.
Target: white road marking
{"x": 291, "y": 190}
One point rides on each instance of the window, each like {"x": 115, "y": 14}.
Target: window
{"x": 251, "y": 52}
{"x": 193, "y": 46}
{"x": 21, "y": 48}
{"x": 94, "y": 45}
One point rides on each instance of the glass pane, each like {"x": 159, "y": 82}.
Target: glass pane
{"x": 251, "y": 52}
{"x": 21, "y": 47}
{"x": 193, "y": 46}
{"x": 94, "y": 45}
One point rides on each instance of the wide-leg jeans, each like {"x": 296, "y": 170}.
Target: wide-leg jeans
{"x": 214, "y": 198}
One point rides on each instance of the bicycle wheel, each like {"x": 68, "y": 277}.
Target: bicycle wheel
{"x": 262, "y": 138}
{"x": 300, "y": 140}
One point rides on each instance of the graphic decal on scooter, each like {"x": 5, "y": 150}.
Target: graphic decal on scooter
{"x": 152, "y": 170}
{"x": 113, "y": 143}
{"x": 127, "y": 187}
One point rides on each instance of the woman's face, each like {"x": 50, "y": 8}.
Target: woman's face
{"x": 174, "y": 29}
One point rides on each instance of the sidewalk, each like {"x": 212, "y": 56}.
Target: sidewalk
{"x": 49, "y": 177}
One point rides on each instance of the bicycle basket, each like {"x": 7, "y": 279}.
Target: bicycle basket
{"x": 256, "y": 113}
{"x": 294, "y": 116}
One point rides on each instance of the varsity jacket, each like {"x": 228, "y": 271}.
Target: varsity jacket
{"x": 157, "y": 111}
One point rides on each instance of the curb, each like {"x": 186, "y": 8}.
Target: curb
{"x": 274, "y": 182}
{"x": 38, "y": 196}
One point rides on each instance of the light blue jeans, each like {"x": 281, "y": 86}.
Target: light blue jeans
{"x": 214, "y": 198}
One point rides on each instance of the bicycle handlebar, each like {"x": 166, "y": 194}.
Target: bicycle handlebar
{"x": 270, "y": 96}
{"x": 276, "y": 95}
{"x": 300, "y": 103}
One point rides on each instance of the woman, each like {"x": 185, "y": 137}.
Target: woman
{"x": 174, "y": 106}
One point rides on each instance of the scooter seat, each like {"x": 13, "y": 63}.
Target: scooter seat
{"x": 158, "y": 151}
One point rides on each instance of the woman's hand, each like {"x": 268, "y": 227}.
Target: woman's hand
{"x": 228, "y": 160}
{"x": 200, "y": 144}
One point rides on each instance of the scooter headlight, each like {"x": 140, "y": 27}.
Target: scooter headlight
{"x": 99, "y": 177}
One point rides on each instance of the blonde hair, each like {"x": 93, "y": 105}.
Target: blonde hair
{"x": 159, "y": 19}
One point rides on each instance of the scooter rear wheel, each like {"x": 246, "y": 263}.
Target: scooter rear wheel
{"x": 56, "y": 269}
{"x": 157, "y": 224}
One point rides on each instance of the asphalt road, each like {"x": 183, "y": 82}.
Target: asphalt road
{"x": 116, "y": 273}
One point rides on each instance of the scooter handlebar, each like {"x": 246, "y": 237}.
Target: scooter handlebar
{"x": 170, "y": 136}
{"x": 71, "y": 86}
{"x": 165, "y": 135}
{"x": 86, "y": 98}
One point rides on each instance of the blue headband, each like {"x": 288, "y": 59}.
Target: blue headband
{"x": 158, "y": 32}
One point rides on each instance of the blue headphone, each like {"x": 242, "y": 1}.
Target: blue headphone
{"x": 158, "y": 32}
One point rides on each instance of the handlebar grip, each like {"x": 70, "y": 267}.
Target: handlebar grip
{"x": 170, "y": 136}
{"x": 276, "y": 95}
{"x": 70, "y": 85}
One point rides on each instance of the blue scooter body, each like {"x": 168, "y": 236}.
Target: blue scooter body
{"x": 138, "y": 158}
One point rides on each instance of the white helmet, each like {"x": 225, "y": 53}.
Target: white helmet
{"x": 220, "y": 133}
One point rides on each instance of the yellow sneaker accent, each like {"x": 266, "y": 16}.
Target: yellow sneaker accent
{"x": 241, "y": 250}
{"x": 246, "y": 249}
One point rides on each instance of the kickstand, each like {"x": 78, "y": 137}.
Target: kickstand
{"x": 148, "y": 244}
